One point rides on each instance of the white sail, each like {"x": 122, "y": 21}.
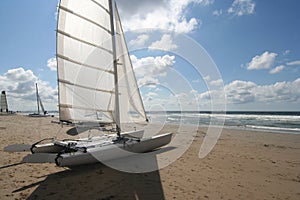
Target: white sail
{"x": 4, "y": 107}
{"x": 37, "y": 98}
{"x": 42, "y": 106}
{"x": 131, "y": 105}
{"x": 85, "y": 61}
{"x": 86, "y": 73}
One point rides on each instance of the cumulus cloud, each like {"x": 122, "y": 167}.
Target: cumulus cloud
{"x": 20, "y": 86}
{"x": 242, "y": 7}
{"x": 263, "y": 61}
{"x": 277, "y": 69}
{"x": 152, "y": 66}
{"x": 244, "y": 92}
{"x": 149, "y": 69}
{"x": 165, "y": 43}
{"x": 170, "y": 15}
{"x": 139, "y": 41}
{"x": 279, "y": 92}
{"x": 147, "y": 80}
{"x": 240, "y": 92}
{"x": 218, "y": 82}
{"x": 51, "y": 63}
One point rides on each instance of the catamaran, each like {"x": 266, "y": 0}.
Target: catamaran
{"x": 39, "y": 104}
{"x": 97, "y": 87}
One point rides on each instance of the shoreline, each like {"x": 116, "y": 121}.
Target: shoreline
{"x": 243, "y": 165}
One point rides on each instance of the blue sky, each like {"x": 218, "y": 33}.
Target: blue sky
{"x": 253, "y": 44}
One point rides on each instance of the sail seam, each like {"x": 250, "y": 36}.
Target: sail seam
{"x": 83, "y": 108}
{"x": 79, "y": 63}
{"x": 84, "y": 18}
{"x": 83, "y": 41}
{"x": 82, "y": 86}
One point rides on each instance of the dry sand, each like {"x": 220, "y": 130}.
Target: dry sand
{"x": 243, "y": 165}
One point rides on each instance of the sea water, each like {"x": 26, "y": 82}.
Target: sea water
{"x": 287, "y": 122}
{"x": 283, "y": 122}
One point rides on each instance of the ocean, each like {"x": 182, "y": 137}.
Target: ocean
{"x": 285, "y": 122}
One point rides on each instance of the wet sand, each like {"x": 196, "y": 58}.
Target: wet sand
{"x": 242, "y": 165}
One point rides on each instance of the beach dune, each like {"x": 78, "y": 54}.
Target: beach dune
{"x": 242, "y": 165}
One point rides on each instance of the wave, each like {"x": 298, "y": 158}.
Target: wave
{"x": 287, "y": 122}
{"x": 274, "y": 128}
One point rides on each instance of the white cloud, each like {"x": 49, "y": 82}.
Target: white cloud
{"x": 139, "y": 41}
{"x": 264, "y": 61}
{"x": 206, "y": 78}
{"x": 240, "y": 92}
{"x": 218, "y": 82}
{"x": 277, "y": 69}
{"x": 279, "y": 92}
{"x": 242, "y": 7}
{"x": 151, "y": 94}
{"x": 149, "y": 69}
{"x": 296, "y": 62}
{"x": 165, "y": 43}
{"x": 51, "y": 63}
{"x": 170, "y": 15}
{"x": 20, "y": 86}
{"x": 286, "y": 52}
{"x": 217, "y": 12}
{"x": 148, "y": 81}
{"x": 247, "y": 92}
{"x": 152, "y": 66}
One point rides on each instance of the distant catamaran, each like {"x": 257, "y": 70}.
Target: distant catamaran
{"x": 97, "y": 86}
{"x": 39, "y": 104}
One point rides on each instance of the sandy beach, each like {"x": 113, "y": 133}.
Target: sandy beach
{"x": 242, "y": 165}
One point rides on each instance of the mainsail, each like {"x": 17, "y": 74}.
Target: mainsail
{"x": 4, "y": 107}
{"x": 42, "y": 106}
{"x": 87, "y": 50}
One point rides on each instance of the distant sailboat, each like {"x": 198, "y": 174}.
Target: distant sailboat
{"x": 97, "y": 86}
{"x": 39, "y": 104}
{"x": 4, "y": 106}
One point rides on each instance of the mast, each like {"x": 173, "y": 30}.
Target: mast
{"x": 37, "y": 97}
{"x": 117, "y": 104}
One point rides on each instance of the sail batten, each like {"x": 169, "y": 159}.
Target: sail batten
{"x": 82, "y": 64}
{"x": 83, "y": 86}
{"x": 101, "y": 6}
{"x": 84, "y": 18}
{"x": 83, "y": 41}
{"x": 84, "y": 108}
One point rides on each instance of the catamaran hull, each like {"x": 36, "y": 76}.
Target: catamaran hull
{"x": 47, "y": 148}
{"x": 51, "y": 152}
{"x": 113, "y": 152}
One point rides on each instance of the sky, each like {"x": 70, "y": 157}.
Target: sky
{"x": 187, "y": 54}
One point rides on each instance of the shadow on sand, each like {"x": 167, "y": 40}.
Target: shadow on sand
{"x": 98, "y": 181}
